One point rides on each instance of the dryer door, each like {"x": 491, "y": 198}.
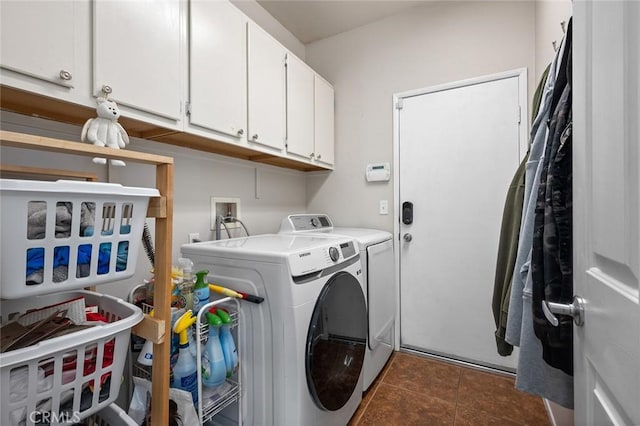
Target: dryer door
{"x": 336, "y": 342}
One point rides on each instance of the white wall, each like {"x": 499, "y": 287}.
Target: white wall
{"x": 428, "y": 45}
{"x": 549, "y": 15}
{"x": 260, "y": 16}
{"x": 197, "y": 177}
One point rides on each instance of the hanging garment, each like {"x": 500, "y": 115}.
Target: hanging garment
{"x": 537, "y": 96}
{"x": 508, "y": 241}
{"x": 533, "y": 374}
{"x": 551, "y": 257}
{"x": 536, "y": 150}
{"x": 507, "y": 248}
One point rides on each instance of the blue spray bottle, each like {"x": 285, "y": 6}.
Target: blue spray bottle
{"x": 226, "y": 340}
{"x": 185, "y": 372}
{"x": 214, "y": 370}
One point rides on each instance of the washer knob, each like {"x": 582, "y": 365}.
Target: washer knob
{"x": 334, "y": 254}
{"x": 315, "y": 223}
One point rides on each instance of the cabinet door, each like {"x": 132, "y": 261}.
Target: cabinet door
{"x": 266, "y": 89}
{"x": 300, "y": 84}
{"x": 137, "y": 53}
{"x": 217, "y": 67}
{"x": 324, "y": 121}
{"x": 44, "y": 47}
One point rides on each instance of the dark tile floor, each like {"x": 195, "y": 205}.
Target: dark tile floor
{"x": 413, "y": 390}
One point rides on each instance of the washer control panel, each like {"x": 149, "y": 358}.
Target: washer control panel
{"x": 306, "y": 222}
{"x": 316, "y": 259}
{"x": 334, "y": 254}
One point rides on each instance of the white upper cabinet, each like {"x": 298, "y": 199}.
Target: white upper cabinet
{"x": 45, "y": 48}
{"x": 138, "y": 56}
{"x": 266, "y": 90}
{"x": 218, "y": 68}
{"x": 324, "y": 121}
{"x": 300, "y": 110}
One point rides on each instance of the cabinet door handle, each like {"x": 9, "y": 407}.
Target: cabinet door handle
{"x": 312, "y": 155}
{"x": 106, "y": 89}
{"x": 319, "y": 156}
{"x": 254, "y": 137}
{"x": 240, "y": 132}
{"x": 65, "y": 75}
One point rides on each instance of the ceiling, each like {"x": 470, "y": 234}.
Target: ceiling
{"x": 311, "y": 20}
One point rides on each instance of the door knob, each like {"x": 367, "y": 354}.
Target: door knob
{"x": 407, "y": 237}
{"x": 240, "y": 132}
{"x": 575, "y": 310}
{"x": 106, "y": 89}
{"x": 254, "y": 137}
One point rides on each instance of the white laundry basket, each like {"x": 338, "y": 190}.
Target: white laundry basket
{"x": 66, "y": 235}
{"x": 64, "y": 379}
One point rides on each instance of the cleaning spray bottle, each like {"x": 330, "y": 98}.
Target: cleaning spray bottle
{"x": 186, "y": 286}
{"x": 226, "y": 340}
{"x": 185, "y": 374}
{"x": 214, "y": 370}
{"x": 200, "y": 291}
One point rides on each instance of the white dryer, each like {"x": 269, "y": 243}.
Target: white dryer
{"x": 304, "y": 346}
{"x": 376, "y": 255}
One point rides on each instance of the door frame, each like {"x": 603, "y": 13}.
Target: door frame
{"x": 521, "y": 74}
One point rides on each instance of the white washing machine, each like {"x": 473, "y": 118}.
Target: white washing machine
{"x": 303, "y": 348}
{"x": 376, "y": 255}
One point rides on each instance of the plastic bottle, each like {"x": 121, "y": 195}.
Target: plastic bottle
{"x": 186, "y": 287}
{"x": 200, "y": 291}
{"x": 146, "y": 353}
{"x": 214, "y": 370}
{"x": 185, "y": 373}
{"x": 226, "y": 340}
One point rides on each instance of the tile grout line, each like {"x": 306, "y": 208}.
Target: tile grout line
{"x": 455, "y": 411}
{"x": 373, "y": 391}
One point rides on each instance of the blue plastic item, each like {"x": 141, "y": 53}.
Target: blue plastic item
{"x": 228, "y": 345}
{"x": 214, "y": 369}
{"x": 185, "y": 372}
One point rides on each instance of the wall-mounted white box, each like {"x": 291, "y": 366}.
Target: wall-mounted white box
{"x": 225, "y": 207}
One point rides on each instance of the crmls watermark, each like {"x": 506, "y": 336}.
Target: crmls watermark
{"x": 47, "y": 417}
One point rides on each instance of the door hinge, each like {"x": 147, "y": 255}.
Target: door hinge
{"x": 399, "y": 104}
{"x": 519, "y": 114}
{"x": 188, "y": 108}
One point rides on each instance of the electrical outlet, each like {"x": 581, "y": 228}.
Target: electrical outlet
{"x": 194, "y": 237}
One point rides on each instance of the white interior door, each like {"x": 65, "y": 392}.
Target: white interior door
{"x": 606, "y": 211}
{"x": 458, "y": 150}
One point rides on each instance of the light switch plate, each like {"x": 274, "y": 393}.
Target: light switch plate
{"x": 384, "y": 207}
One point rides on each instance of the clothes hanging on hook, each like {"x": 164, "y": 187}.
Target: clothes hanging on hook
{"x": 552, "y": 255}
{"x": 534, "y": 375}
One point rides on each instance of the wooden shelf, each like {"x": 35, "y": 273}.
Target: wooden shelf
{"x": 157, "y": 328}
{"x": 36, "y": 105}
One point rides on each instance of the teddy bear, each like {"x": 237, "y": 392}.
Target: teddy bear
{"x": 104, "y": 130}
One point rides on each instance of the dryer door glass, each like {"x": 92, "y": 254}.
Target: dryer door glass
{"x": 336, "y": 342}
